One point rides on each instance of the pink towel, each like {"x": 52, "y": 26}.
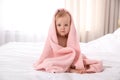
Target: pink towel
{"x": 56, "y": 58}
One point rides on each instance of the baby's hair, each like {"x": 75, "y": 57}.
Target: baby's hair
{"x": 62, "y": 13}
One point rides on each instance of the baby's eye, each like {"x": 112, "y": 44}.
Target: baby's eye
{"x": 66, "y": 24}
{"x": 59, "y": 25}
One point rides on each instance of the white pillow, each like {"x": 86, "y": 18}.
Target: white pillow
{"x": 117, "y": 33}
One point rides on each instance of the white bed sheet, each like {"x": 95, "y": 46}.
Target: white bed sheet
{"x": 16, "y": 59}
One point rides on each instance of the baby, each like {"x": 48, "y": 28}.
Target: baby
{"x": 62, "y": 52}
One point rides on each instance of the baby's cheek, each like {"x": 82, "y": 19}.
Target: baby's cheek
{"x": 68, "y": 30}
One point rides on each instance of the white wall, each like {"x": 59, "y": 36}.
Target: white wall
{"x": 26, "y": 20}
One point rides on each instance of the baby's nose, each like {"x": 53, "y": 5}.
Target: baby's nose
{"x": 63, "y": 27}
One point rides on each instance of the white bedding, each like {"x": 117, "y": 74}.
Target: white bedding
{"x": 16, "y": 59}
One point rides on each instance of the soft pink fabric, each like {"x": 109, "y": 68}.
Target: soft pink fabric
{"x": 56, "y": 58}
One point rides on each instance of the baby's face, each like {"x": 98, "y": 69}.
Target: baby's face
{"x": 63, "y": 25}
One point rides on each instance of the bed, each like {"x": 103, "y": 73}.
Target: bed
{"x": 17, "y": 58}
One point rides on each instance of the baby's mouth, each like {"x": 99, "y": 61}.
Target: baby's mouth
{"x": 62, "y": 31}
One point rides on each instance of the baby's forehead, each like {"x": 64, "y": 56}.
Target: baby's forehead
{"x": 63, "y": 19}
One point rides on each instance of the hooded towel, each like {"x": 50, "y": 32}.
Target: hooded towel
{"x": 56, "y": 58}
